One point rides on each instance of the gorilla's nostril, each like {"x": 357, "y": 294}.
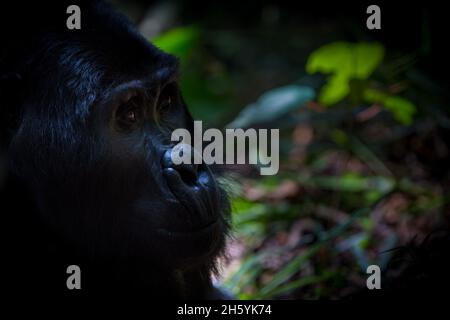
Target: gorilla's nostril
{"x": 188, "y": 173}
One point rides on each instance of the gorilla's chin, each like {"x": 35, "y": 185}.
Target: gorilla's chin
{"x": 193, "y": 247}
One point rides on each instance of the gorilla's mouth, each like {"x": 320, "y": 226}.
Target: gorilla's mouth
{"x": 187, "y": 175}
{"x": 198, "y": 200}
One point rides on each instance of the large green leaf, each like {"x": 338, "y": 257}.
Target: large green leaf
{"x": 344, "y": 61}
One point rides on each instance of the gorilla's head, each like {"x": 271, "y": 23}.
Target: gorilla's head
{"x": 92, "y": 112}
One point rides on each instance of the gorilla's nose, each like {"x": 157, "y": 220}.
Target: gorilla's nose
{"x": 187, "y": 170}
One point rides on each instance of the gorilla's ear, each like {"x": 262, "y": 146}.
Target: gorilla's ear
{"x": 10, "y": 84}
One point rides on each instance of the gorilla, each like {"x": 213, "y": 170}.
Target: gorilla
{"x": 86, "y": 175}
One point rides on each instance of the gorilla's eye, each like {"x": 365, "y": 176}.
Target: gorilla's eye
{"x": 130, "y": 116}
{"x": 167, "y": 98}
{"x": 129, "y": 113}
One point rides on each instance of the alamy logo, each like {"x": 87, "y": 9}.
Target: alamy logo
{"x": 374, "y": 280}
{"x": 374, "y": 20}
{"x": 236, "y": 147}
{"x": 74, "y": 20}
{"x": 74, "y": 280}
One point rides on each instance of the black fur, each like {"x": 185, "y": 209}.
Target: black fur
{"x": 77, "y": 189}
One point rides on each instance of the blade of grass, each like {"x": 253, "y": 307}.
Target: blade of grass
{"x": 251, "y": 263}
{"x": 288, "y": 271}
{"x": 368, "y": 156}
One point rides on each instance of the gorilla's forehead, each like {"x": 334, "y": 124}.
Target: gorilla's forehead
{"x": 106, "y": 64}
{"x": 114, "y": 49}
{"x": 82, "y": 67}
{"x": 107, "y": 50}
{"x": 83, "y": 75}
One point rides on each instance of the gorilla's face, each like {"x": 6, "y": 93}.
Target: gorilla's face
{"x": 174, "y": 210}
{"x": 94, "y": 145}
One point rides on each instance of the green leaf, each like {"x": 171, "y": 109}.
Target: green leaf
{"x": 367, "y": 58}
{"x": 402, "y": 109}
{"x": 273, "y": 104}
{"x": 336, "y": 89}
{"x": 331, "y": 58}
{"x": 355, "y": 60}
{"x": 344, "y": 61}
{"x": 178, "y": 41}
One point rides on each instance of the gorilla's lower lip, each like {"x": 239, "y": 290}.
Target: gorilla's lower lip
{"x": 209, "y": 228}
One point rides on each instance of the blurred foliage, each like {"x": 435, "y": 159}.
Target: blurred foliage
{"x": 345, "y": 61}
{"x": 179, "y": 42}
{"x": 350, "y": 65}
{"x": 329, "y": 170}
{"x": 205, "y": 85}
{"x": 402, "y": 109}
{"x": 353, "y": 183}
